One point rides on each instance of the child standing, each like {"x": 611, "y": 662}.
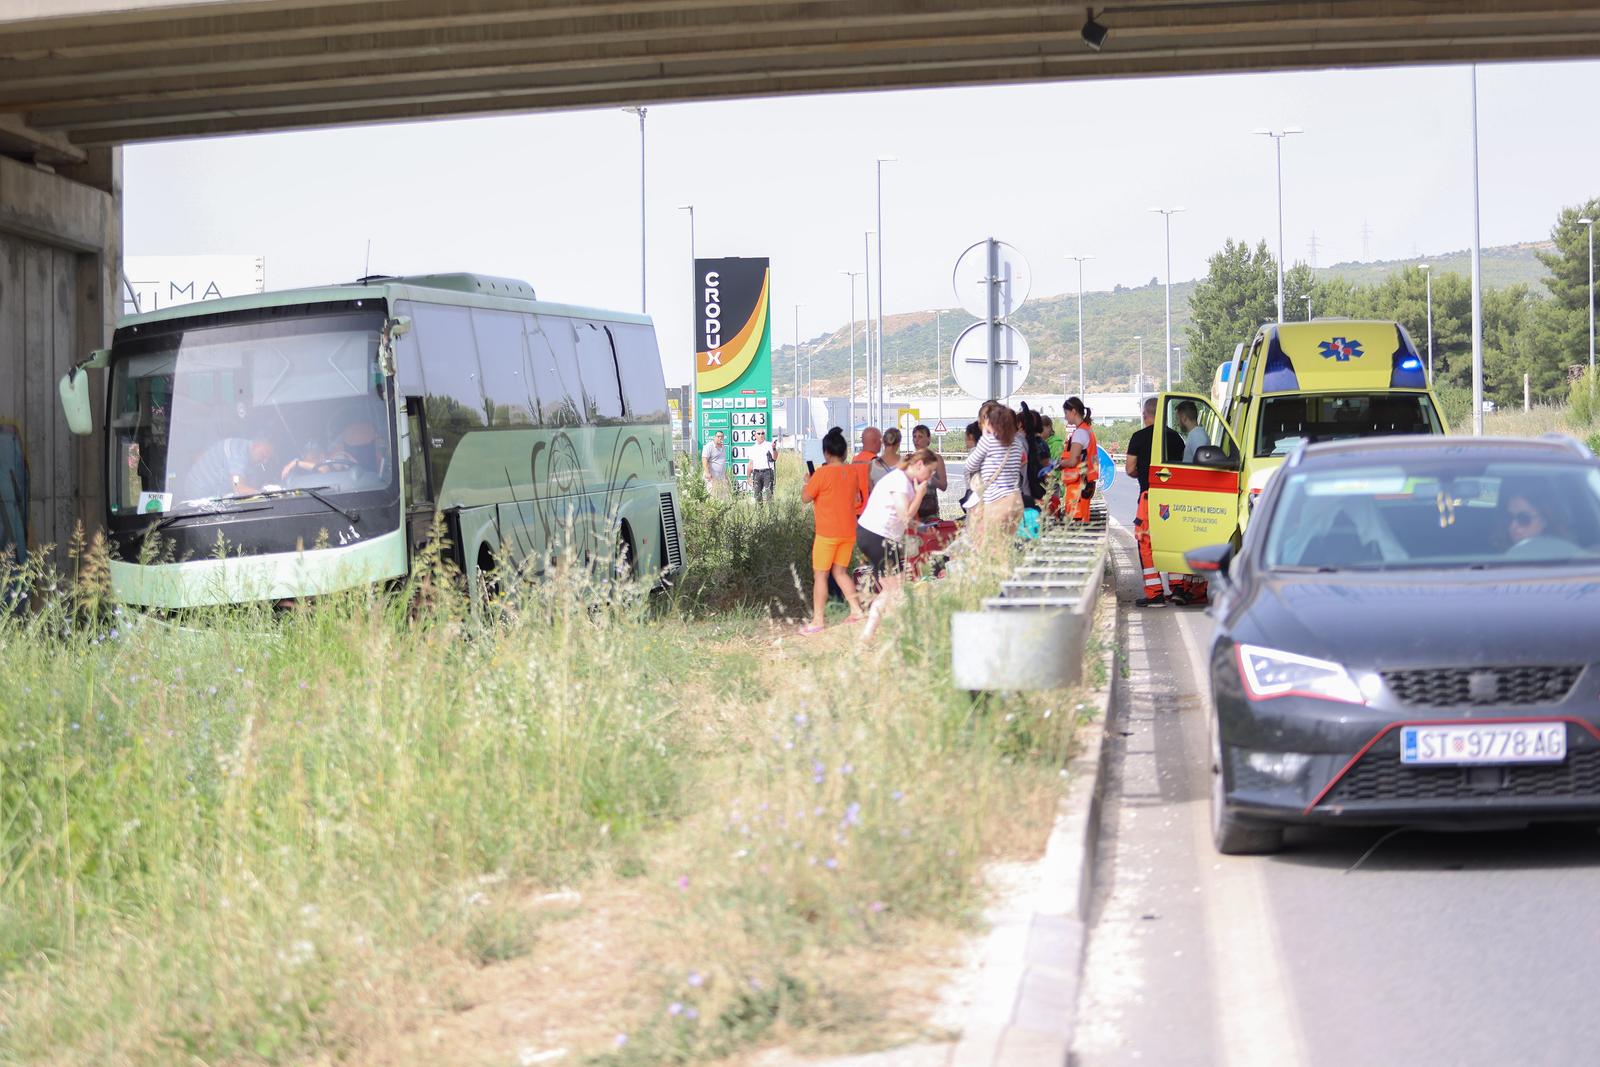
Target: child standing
{"x": 837, "y": 492}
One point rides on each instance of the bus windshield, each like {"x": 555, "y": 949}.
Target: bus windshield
{"x": 204, "y": 416}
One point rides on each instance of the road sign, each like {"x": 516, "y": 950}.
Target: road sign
{"x": 1012, "y": 279}
{"x": 939, "y": 427}
{"x": 969, "y": 361}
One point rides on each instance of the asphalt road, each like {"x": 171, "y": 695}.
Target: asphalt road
{"x": 1351, "y": 947}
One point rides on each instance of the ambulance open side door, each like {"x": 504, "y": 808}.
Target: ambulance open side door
{"x": 1194, "y": 492}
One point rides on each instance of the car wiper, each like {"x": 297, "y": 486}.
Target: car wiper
{"x": 313, "y": 491}
{"x": 170, "y": 519}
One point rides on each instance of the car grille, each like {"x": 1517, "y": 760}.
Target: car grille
{"x": 1382, "y": 777}
{"x": 1482, "y": 687}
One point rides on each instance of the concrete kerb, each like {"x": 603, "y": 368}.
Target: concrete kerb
{"x": 1026, "y": 1014}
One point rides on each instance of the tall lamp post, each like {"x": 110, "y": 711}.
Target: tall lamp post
{"x": 1079, "y": 260}
{"x": 1477, "y": 274}
{"x": 1140, "y": 390}
{"x": 1277, "y": 143}
{"x": 640, "y": 111}
{"x": 852, "y": 275}
{"x": 694, "y": 342}
{"x": 1590, "y": 300}
{"x": 1427, "y": 274}
{"x": 1166, "y": 214}
{"x": 879, "y": 393}
{"x": 866, "y": 273}
{"x": 799, "y": 437}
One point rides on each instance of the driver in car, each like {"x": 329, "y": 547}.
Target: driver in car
{"x": 1532, "y": 528}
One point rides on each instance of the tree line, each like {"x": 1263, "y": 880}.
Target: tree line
{"x": 1525, "y": 331}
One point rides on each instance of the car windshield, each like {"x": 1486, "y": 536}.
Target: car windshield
{"x": 204, "y": 416}
{"x": 1299, "y": 418}
{"x": 1437, "y": 512}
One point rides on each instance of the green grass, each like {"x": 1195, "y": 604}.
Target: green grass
{"x": 263, "y": 838}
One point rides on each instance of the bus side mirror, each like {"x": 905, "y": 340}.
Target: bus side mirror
{"x": 75, "y": 404}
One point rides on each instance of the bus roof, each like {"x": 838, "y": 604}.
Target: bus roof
{"x": 1325, "y": 355}
{"x": 476, "y": 290}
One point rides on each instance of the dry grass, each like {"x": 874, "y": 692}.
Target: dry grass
{"x": 331, "y": 837}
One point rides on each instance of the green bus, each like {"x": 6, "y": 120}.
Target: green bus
{"x": 287, "y": 444}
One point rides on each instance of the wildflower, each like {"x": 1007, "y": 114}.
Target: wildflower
{"x": 800, "y": 718}
{"x": 620, "y": 1040}
{"x": 113, "y": 634}
{"x": 897, "y": 796}
{"x": 831, "y": 863}
{"x": 238, "y": 670}
{"x": 852, "y": 814}
{"x": 211, "y": 689}
{"x": 848, "y": 769}
{"x": 696, "y": 979}
{"x": 675, "y": 1008}
{"x": 691, "y": 1013}
{"x": 74, "y": 726}
{"x": 877, "y": 906}
{"x": 683, "y": 881}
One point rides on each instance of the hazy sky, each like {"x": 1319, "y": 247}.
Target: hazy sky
{"x": 1053, "y": 169}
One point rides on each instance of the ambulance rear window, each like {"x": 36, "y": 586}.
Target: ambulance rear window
{"x": 1296, "y": 419}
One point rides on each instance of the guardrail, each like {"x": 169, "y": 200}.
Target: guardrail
{"x": 1031, "y": 636}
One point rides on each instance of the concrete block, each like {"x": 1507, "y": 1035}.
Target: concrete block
{"x": 1017, "y": 650}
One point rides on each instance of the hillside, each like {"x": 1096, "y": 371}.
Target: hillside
{"x": 1112, "y": 321}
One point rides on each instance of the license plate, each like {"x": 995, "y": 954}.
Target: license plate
{"x": 1522, "y": 742}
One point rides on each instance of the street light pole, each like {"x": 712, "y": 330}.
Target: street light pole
{"x": 640, "y": 111}
{"x": 1140, "y": 382}
{"x": 866, "y": 273}
{"x": 1427, "y": 273}
{"x": 799, "y": 437}
{"x": 1590, "y": 301}
{"x": 852, "y": 275}
{"x": 881, "y": 161}
{"x": 694, "y": 341}
{"x": 1079, "y": 260}
{"x": 1277, "y": 141}
{"x": 938, "y": 360}
{"x": 1166, "y": 214}
{"x": 1477, "y": 275}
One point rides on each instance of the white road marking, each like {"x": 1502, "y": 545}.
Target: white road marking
{"x": 1256, "y": 1014}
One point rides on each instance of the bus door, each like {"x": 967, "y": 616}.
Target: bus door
{"x": 1194, "y": 480}
{"x": 415, "y": 449}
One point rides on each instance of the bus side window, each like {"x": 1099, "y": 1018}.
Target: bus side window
{"x": 639, "y": 362}
{"x": 553, "y": 365}
{"x": 597, "y": 365}
{"x": 455, "y": 403}
{"x": 505, "y": 385}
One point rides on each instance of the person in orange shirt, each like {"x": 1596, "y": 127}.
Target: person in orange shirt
{"x": 837, "y": 492}
{"x": 871, "y": 445}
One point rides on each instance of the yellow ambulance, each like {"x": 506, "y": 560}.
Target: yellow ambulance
{"x": 1297, "y": 383}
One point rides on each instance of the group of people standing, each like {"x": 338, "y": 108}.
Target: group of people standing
{"x": 867, "y": 502}
{"x": 1011, "y": 457}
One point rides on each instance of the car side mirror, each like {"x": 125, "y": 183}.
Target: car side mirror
{"x": 1211, "y": 561}
{"x": 1212, "y": 456}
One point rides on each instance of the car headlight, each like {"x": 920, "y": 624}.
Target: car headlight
{"x": 1269, "y": 673}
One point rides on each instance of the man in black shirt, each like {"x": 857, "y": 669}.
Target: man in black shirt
{"x": 1137, "y": 466}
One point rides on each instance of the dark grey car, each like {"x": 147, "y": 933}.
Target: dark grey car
{"x": 1410, "y": 634}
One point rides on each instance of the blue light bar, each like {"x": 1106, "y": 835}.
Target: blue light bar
{"x": 1279, "y": 375}
{"x": 1408, "y": 372}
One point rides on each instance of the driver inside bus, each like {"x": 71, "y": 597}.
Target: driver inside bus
{"x": 233, "y": 466}
{"x": 357, "y": 447}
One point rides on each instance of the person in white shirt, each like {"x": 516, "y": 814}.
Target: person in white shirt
{"x": 763, "y": 467}
{"x": 881, "y": 529}
{"x": 714, "y": 464}
{"x": 1193, "y": 436}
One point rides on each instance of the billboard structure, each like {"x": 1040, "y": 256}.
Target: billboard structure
{"x": 733, "y": 364}
{"x": 151, "y": 283}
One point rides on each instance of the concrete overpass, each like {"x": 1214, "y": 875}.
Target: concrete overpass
{"x": 80, "y": 77}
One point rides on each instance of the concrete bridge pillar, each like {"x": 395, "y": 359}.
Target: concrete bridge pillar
{"x": 60, "y": 262}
